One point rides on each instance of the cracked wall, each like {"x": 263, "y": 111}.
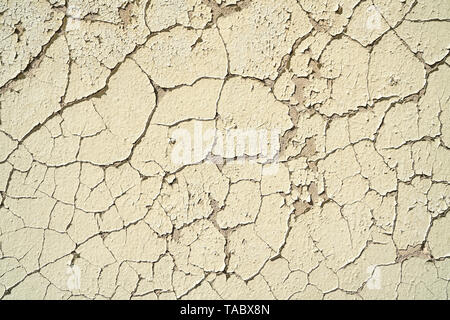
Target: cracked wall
{"x": 96, "y": 98}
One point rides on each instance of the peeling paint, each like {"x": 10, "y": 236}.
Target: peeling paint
{"x": 99, "y": 100}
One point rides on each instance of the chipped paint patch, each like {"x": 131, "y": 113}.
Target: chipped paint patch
{"x": 224, "y": 149}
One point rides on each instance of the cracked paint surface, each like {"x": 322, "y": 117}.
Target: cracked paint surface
{"x": 92, "y": 205}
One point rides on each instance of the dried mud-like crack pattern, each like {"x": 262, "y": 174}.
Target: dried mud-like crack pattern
{"x": 93, "y": 206}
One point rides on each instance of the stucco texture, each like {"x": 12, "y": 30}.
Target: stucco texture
{"x": 116, "y": 176}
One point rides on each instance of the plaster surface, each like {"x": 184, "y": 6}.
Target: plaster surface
{"x": 100, "y": 100}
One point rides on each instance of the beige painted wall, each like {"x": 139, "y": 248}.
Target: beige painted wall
{"x": 227, "y": 149}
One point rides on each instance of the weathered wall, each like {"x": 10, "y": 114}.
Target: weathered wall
{"x": 119, "y": 179}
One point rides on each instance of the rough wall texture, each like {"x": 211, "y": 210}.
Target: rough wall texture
{"x": 111, "y": 189}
